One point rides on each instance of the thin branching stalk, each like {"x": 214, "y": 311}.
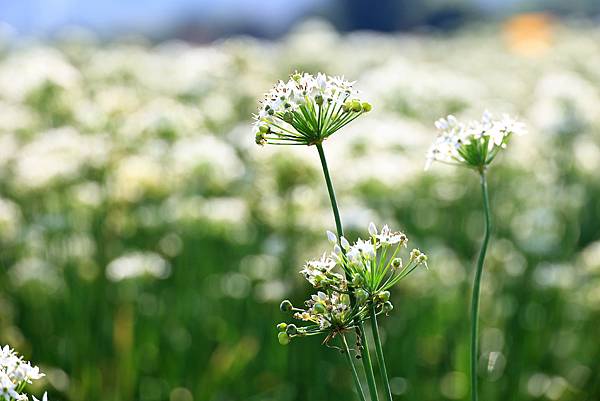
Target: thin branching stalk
{"x": 359, "y": 389}
{"x": 476, "y": 286}
{"x": 379, "y": 351}
{"x": 366, "y": 357}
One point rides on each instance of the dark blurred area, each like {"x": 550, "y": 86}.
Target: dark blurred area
{"x": 204, "y": 21}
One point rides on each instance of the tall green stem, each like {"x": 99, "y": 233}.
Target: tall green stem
{"x": 379, "y": 351}
{"x": 359, "y": 389}
{"x": 366, "y": 357}
{"x": 476, "y": 286}
{"x": 331, "y": 191}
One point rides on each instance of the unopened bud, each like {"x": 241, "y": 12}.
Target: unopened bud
{"x": 281, "y": 326}
{"x": 319, "y": 100}
{"x": 319, "y": 308}
{"x": 283, "y": 338}
{"x": 366, "y": 107}
{"x": 396, "y": 263}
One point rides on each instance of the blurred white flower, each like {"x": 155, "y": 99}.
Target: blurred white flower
{"x": 138, "y": 264}
{"x": 58, "y": 154}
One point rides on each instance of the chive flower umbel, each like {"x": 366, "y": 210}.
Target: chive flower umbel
{"x": 307, "y": 109}
{"x": 15, "y": 374}
{"x": 374, "y": 266}
{"x": 474, "y": 144}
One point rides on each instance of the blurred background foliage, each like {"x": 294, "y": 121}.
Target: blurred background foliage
{"x": 146, "y": 241}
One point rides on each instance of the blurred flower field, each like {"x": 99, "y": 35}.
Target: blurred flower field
{"x": 146, "y": 241}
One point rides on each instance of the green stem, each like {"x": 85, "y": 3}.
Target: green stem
{"x": 379, "y": 351}
{"x": 368, "y": 365}
{"x": 366, "y": 357}
{"x": 330, "y": 190}
{"x": 476, "y": 286}
{"x": 359, "y": 389}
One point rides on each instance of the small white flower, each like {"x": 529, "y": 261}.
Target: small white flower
{"x": 345, "y": 244}
{"x": 332, "y": 237}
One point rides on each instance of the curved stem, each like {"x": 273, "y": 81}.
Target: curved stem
{"x": 366, "y": 357}
{"x": 476, "y": 287}
{"x": 379, "y": 351}
{"x": 359, "y": 389}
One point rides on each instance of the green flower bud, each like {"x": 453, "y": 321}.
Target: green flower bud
{"x": 283, "y": 338}
{"x": 360, "y": 295}
{"x": 366, "y": 107}
{"x": 281, "y": 326}
{"x": 291, "y": 329}
{"x": 384, "y": 296}
{"x": 387, "y": 307}
{"x": 285, "y": 306}
{"x": 288, "y": 117}
{"x": 356, "y": 106}
{"x": 357, "y": 280}
{"x": 397, "y": 263}
{"x": 347, "y": 106}
{"x": 271, "y": 112}
{"x": 264, "y": 129}
{"x": 260, "y": 139}
{"x": 319, "y": 100}
{"x": 319, "y": 308}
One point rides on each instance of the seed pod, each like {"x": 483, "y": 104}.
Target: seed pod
{"x": 319, "y": 308}
{"x": 281, "y": 326}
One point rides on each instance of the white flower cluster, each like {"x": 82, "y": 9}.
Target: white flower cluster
{"x": 15, "y": 373}
{"x": 307, "y": 109}
{"x": 366, "y": 269}
{"x": 475, "y": 143}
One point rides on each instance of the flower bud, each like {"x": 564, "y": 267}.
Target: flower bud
{"x": 366, "y": 107}
{"x": 360, "y": 295}
{"x": 319, "y": 100}
{"x": 356, "y": 106}
{"x": 260, "y": 138}
{"x": 357, "y": 280}
{"x": 387, "y": 307}
{"x": 283, "y": 338}
{"x": 383, "y": 296}
{"x": 264, "y": 129}
{"x": 331, "y": 237}
{"x": 288, "y": 117}
{"x": 291, "y": 329}
{"x": 396, "y": 263}
{"x": 372, "y": 229}
{"x": 281, "y": 326}
{"x": 319, "y": 308}
{"x": 347, "y": 106}
{"x": 285, "y": 306}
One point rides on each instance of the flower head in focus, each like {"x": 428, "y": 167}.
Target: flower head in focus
{"x": 307, "y": 109}
{"x": 474, "y": 144}
{"x": 15, "y": 374}
{"x": 372, "y": 266}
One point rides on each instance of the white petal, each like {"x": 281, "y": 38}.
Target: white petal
{"x": 331, "y": 237}
{"x": 372, "y": 229}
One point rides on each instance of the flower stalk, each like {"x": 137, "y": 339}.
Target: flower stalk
{"x": 477, "y": 285}
{"x": 379, "y": 353}
{"x": 366, "y": 357}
